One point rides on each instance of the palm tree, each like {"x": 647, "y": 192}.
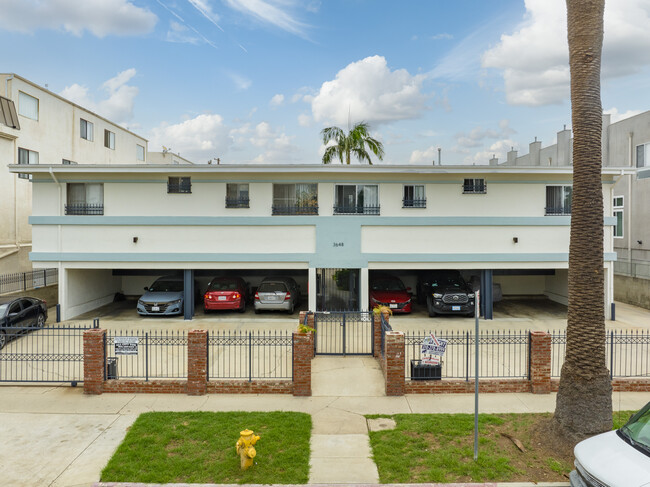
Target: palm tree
{"x": 584, "y": 399}
{"x": 352, "y": 143}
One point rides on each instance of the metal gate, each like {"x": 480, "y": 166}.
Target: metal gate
{"x": 337, "y": 289}
{"x": 343, "y": 333}
{"x": 48, "y": 354}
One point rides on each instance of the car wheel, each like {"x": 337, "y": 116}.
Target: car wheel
{"x": 432, "y": 312}
{"x": 242, "y": 308}
{"x": 471, "y": 314}
{"x": 3, "y": 339}
{"x": 257, "y": 311}
{"x": 292, "y": 308}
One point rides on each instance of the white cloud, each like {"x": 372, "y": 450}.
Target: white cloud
{"x": 100, "y": 17}
{"x": 498, "y": 149}
{"x": 534, "y": 59}
{"x": 442, "y": 35}
{"x": 305, "y": 120}
{"x": 181, "y": 34}
{"x": 277, "y": 100}
{"x": 426, "y": 156}
{"x": 276, "y": 146}
{"x": 242, "y": 83}
{"x": 369, "y": 91}
{"x": 618, "y": 116}
{"x": 206, "y": 11}
{"x": 274, "y": 12}
{"x": 120, "y": 97}
{"x": 477, "y": 135}
{"x": 198, "y": 139}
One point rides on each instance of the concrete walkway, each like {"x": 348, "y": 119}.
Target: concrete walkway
{"x": 56, "y": 436}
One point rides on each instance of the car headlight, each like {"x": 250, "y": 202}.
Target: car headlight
{"x": 437, "y": 295}
{"x": 140, "y": 302}
{"x": 470, "y": 295}
{"x": 178, "y": 301}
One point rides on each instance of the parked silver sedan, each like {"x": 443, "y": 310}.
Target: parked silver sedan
{"x": 277, "y": 293}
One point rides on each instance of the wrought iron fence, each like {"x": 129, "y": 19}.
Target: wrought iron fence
{"x": 356, "y": 210}
{"x": 47, "y": 354}
{"x": 627, "y": 353}
{"x": 502, "y": 354}
{"x": 343, "y": 333}
{"x": 414, "y": 203}
{"x": 24, "y": 281}
{"x": 250, "y": 356}
{"x": 151, "y": 355}
{"x": 311, "y": 209}
{"x": 84, "y": 209}
{"x": 632, "y": 269}
{"x": 237, "y": 202}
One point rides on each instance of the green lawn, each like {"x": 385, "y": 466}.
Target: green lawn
{"x": 199, "y": 447}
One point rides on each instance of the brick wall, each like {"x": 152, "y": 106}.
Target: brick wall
{"x": 540, "y": 362}
{"x": 303, "y": 352}
{"x": 94, "y": 343}
{"x": 394, "y": 363}
{"x": 197, "y": 362}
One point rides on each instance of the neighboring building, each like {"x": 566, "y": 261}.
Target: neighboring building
{"x": 166, "y": 156}
{"x": 53, "y": 131}
{"x": 625, "y": 145}
{"x": 330, "y": 227}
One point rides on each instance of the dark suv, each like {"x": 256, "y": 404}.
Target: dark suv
{"x": 446, "y": 292}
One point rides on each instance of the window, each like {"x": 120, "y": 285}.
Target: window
{"x": 109, "y": 139}
{"x": 558, "y": 200}
{"x": 67, "y": 162}
{"x": 474, "y": 186}
{"x": 414, "y": 196}
{"x": 139, "y": 152}
{"x": 237, "y": 195}
{"x": 179, "y": 185}
{"x": 86, "y": 129}
{"x": 295, "y": 199}
{"x": 353, "y": 199}
{"x": 618, "y": 214}
{"x": 643, "y": 155}
{"x": 85, "y": 199}
{"x": 27, "y": 106}
{"x": 26, "y": 157}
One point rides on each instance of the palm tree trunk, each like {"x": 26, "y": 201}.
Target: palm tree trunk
{"x": 584, "y": 400}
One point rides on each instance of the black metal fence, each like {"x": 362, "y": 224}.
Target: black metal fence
{"x": 502, "y": 354}
{"x": 47, "y": 354}
{"x": 343, "y": 333}
{"x": 250, "y": 355}
{"x": 137, "y": 354}
{"x": 627, "y": 353}
{"x": 24, "y": 281}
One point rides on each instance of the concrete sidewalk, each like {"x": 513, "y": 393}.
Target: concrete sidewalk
{"x": 57, "y": 436}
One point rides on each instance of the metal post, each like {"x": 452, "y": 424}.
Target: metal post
{"x": 476, "y": 350}
{"x": 611, "y": 355}
{"x": 44, "y": 277}
{"x": 207, "y": 356}
{"x": 58, "y": 313}
{"x": 613, "y": 311}
{"x": 250, "y": 357}
{"x": 467, "y": 356}
{"x": 24, "y": 281}
{"x": 343, "y": 334}
{"x": 146, "y": 356}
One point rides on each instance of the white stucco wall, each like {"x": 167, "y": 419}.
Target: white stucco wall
{"x": 88, "y": 289}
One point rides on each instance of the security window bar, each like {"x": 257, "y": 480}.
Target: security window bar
{"x": 356, "y": 199}
{"x": 558, "y": 200}
{"x": 237, "y": 195}
{"x": 414, "y": 196}
{"x": 474, "y": 186}
{"x": 85, "y": 199}
{"x": 295, "y": 199}
{"x": 26, "y": 156}
{"x": 618, "y": 214}
{"x": 179, "y": 185}
{"x": 109, "y": 139}
{"x": 27, "y": 106}
{"x": 86, "y": 129}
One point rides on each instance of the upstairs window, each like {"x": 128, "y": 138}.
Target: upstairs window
{"x": 85, "y": 199}
{"x": 558, "y": 200}
{"x": 295, "y": 199}
{"x": 27, "y": 106}
{"x": 109, "y": 139}
{"x": 86, "y": 129}
{"x": 414, "y": 196}
{"x": 179, "y": 185}
{"x": 618, "y": 214}
{"x": 643, "y": 155}
{"x": 474, "y": 186}
{"x": 139, "y": 152}
{"x": 237, "y": 195}
{"x": 352, "y": 199}
{"x": 26, "y": 156}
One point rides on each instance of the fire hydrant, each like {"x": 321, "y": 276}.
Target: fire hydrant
{"x": 245, "y": 448}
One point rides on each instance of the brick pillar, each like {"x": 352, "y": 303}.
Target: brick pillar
{"x": 540, "y": 362}
{"x": 376, "y": 332}
{"x": 309, "y": 323}
{"x": 94, "y": 343}
{"x": 303, "y": 351}
{"x": 394, "y": 356}
{"x": 197, "y": 362}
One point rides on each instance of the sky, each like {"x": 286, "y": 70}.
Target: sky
{"x": 255, "y": 81}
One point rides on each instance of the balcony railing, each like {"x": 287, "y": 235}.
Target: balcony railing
{"x": 476, "y": 188}
{"x": 416, "y": 203}
{"x": 237, "y": 202}
{"x": 179, "y": 187}
{"x": 84, "y": 209}
{"x": 557, "y": 211}
{"x": 294, "y": 209}
{"x": 356, "y": 210}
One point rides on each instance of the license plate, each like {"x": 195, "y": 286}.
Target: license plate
{"x": 455, "y": 308}
{"x": 221, "y": 298}
{"x": 155, "y": 308}
{"x": 273, "y": 298}
{"x": 392, "y": 305}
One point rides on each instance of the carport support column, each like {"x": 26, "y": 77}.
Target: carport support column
{"x": 188, "y": 294}
{"x": 94, "y": 344}
{"x": 197, "y": 362}
{"x": 486, "y": 294}
{"x": 540, "y": 362}
{"x": 311, "y": 289}
{"x": 363, "y": 284}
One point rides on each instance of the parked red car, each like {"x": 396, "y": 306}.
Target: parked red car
{"x": 226, "y": 293}
{"x": 389, "y": 291}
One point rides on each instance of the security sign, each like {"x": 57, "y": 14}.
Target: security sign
{"x": 433, "y": 349}
{"x": 126, "y": 345}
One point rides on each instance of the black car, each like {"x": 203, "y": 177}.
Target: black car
{"x": 446, "y": 292}
{"x": 19, "y": 315}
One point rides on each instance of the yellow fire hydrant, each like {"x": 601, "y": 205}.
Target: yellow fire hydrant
{"x": 245, "y": 448}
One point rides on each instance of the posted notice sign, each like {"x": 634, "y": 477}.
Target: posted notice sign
{"x": 433, "y": 349}
{"x": 126, "y": 345}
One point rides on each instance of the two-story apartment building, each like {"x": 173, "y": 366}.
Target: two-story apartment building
{"x": 509, "y": 225}
{"x": 49, "y": 130}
